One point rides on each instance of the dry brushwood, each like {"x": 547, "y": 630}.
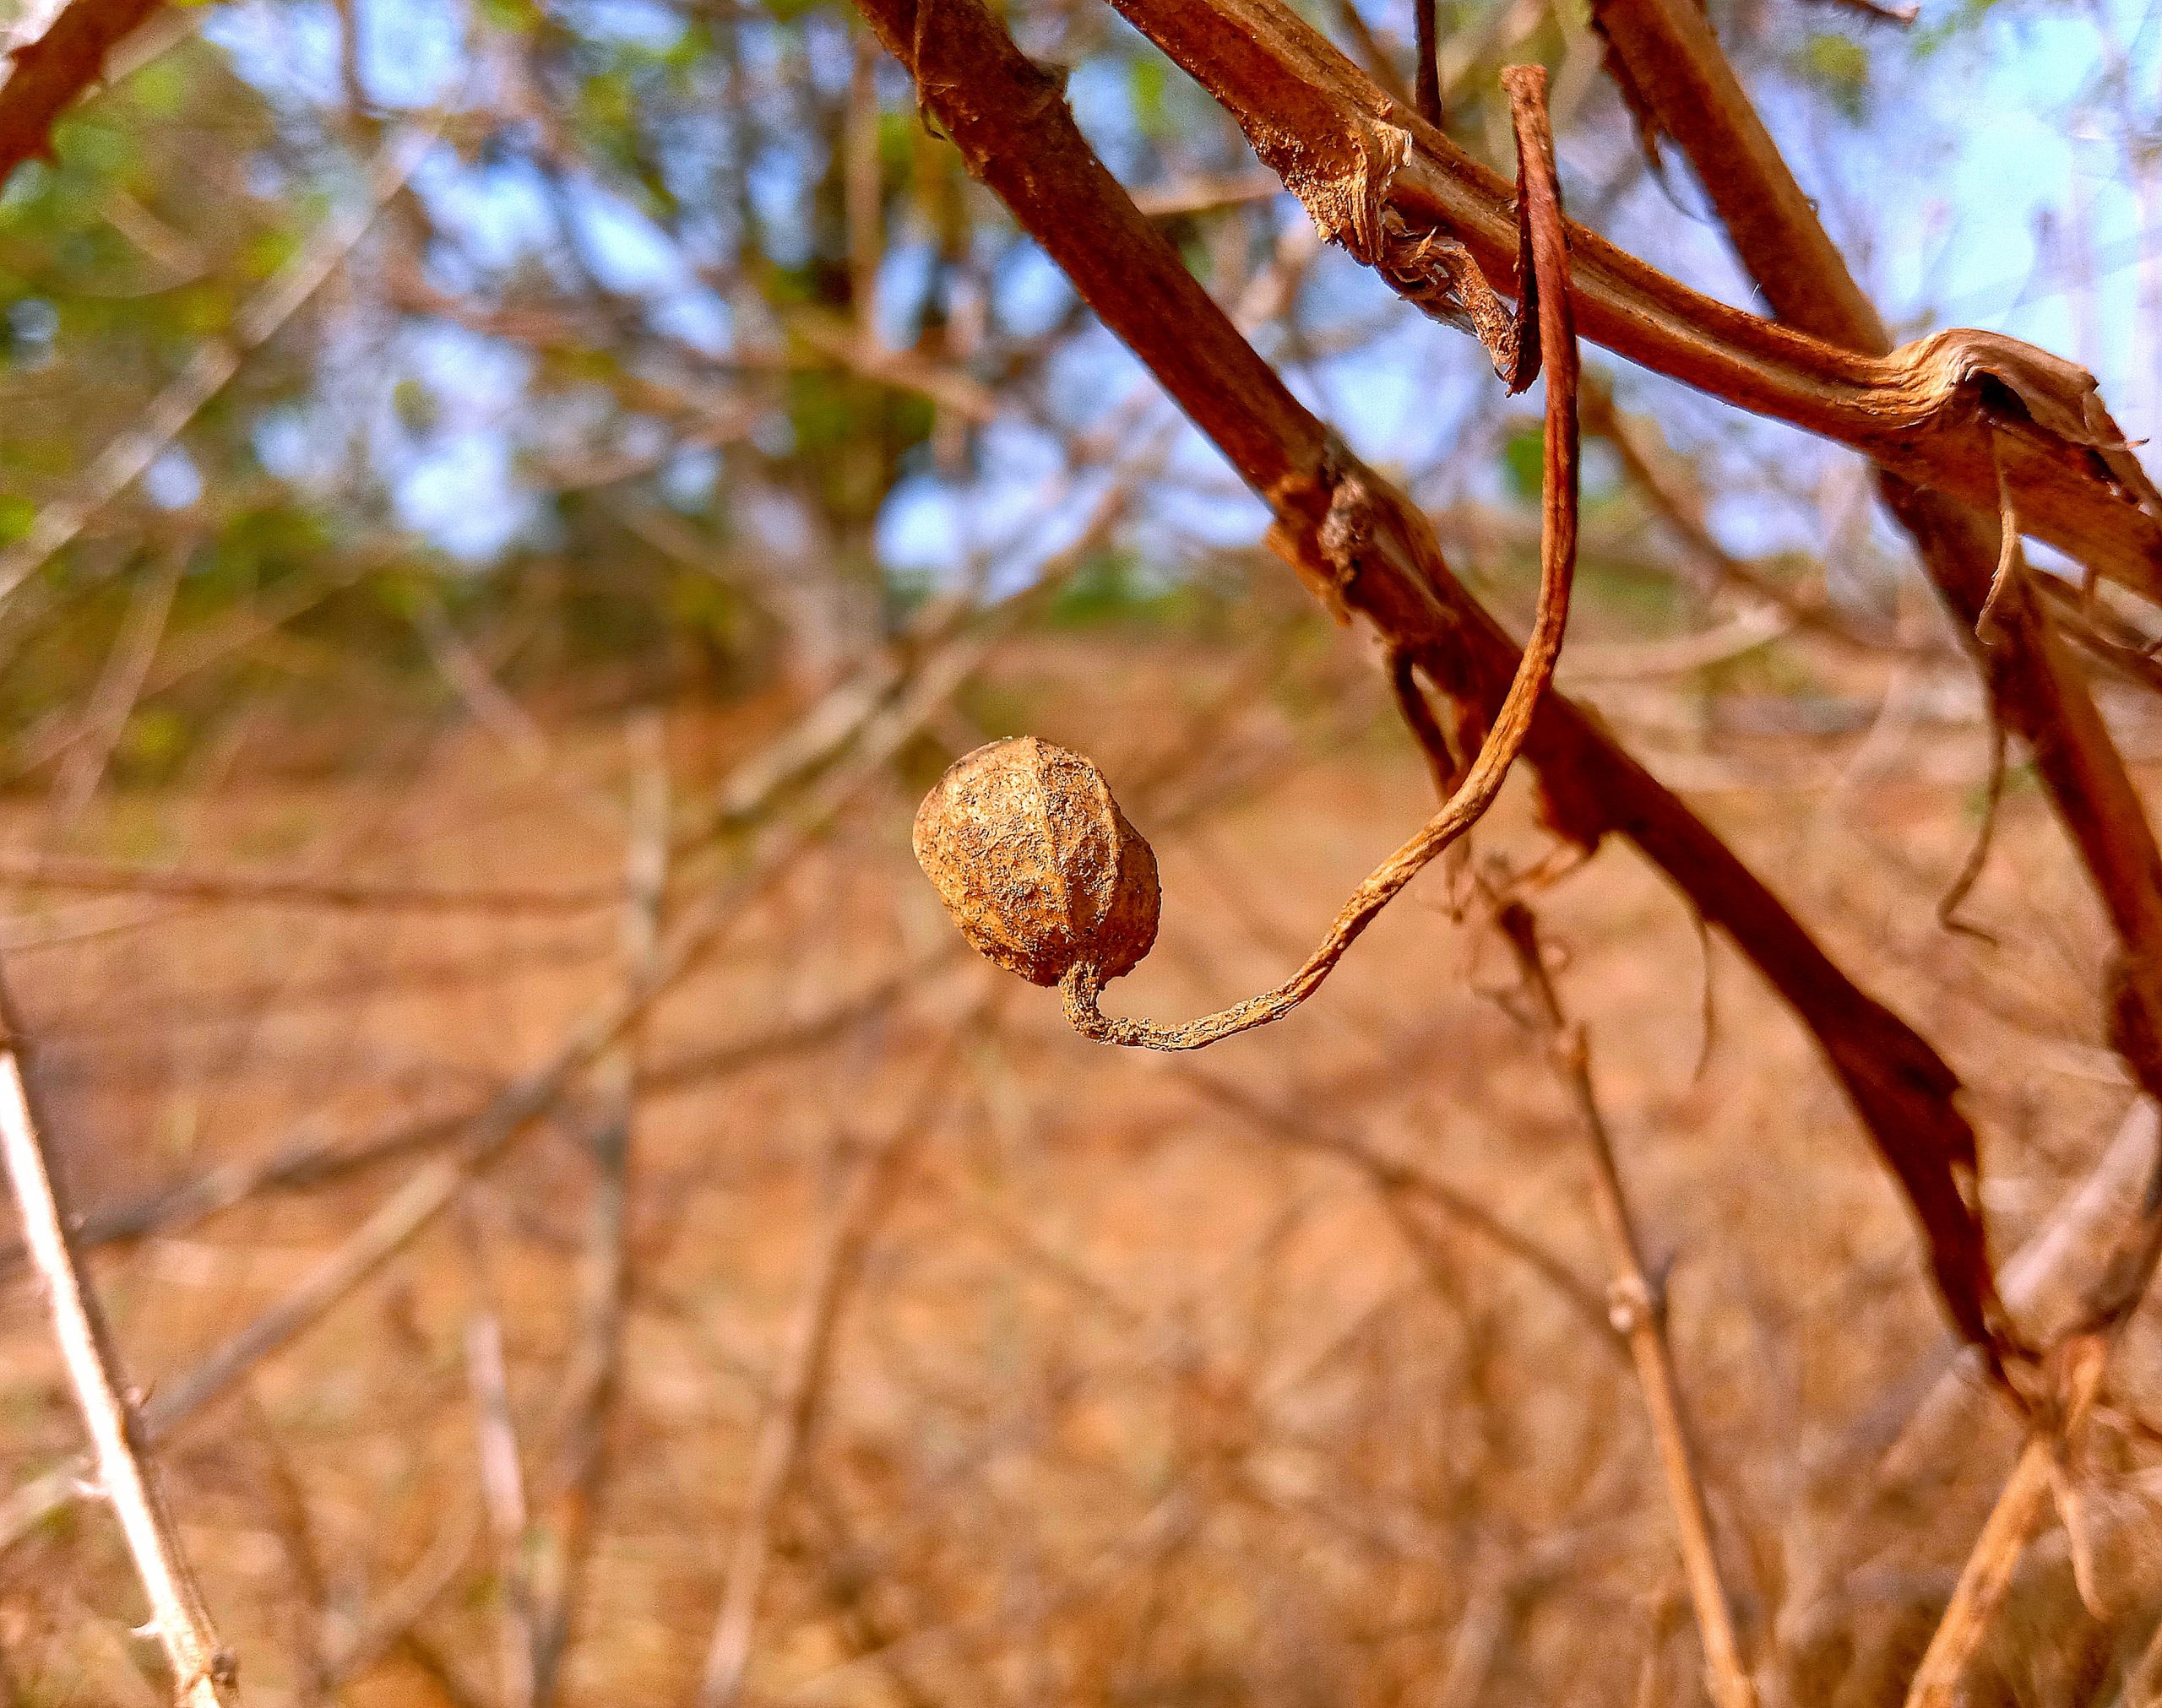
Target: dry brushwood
{"x": 217, "y": 361}
{"x": 432, "y": 1188}
{"x": 1636, "y": 1306}
{"x": 1038, "y": 864}
{"x": 1670, "y": 64}
{"x": 1058, "y": 1376}
{"x": 1363, "y": 547}
{"x": 951, "y": 649}
{"x": 1952, "y": 410}
{"x": 204, "y": 1673}
{"x": 866, "y": 1194}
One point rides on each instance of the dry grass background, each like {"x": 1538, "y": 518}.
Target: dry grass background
{"x": 1152, "y": 1381}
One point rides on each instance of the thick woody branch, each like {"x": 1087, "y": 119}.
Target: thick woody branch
{"x": 1363, "y": 547}
{"x": 1679, "y": 80}
{"x": 1946, "y": 411}
{"x": 51, "y": 71}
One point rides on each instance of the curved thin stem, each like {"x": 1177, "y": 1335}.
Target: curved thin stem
{"x": 1540, "y": 192}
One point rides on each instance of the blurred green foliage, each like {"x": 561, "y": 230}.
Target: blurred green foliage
{"x": 616, "y": 331}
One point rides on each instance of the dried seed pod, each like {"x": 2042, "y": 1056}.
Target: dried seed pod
{"x": 1036, "y": 863}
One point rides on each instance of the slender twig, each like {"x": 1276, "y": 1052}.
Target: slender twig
{"x": 792, "y": 1402}
{"x": 1379, "y": 63}
{"x": 204, "y": 1673}
{"x": 1398, "y": 1181}
{"x": 1603, "y": 417}
{"x": 558, "y": 1545}
{"x": 469, "y": 676}
{"x": 1557, "y": 345}
{"x": 1978, "y": 851}
{"x": 1363, "y": 548}
{"x": 31, "y": 870}
{"x": 502, "y": 1489}
{"x": 1638, "y": 1312}
{"x": 863, "y": 188}
{"x": 1988, "y": 1572}
{"x": 1903, "y": 16}
{"x": 311, "y": 1617}
{"x": 2011, "y": 566}
{"x": 1491, "y": 1606}
{"x": 441, "y": 1668}
{"x": 408, "y": 1600}
{"x": 1203, "y": 195}
{"x": 1426, "y": 74}
{"x": 119, "y": 685}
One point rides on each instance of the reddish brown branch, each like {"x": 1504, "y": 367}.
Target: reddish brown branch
{"x": 1361, "y": 546}
{"x": 51, "y": 71}
{"x": 1387, "y": 185}
{"x": 1673, "y": 64}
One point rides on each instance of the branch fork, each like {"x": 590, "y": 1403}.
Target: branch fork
{"x": 1348, "y": 520}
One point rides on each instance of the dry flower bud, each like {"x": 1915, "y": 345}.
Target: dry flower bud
{"x": 1036, "y": 863}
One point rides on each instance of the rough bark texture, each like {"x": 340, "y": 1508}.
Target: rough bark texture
{"x": 1363, "y": 547}
{"x": 1680, "y": 80}
{"x": 1947, "y": 411}
{"x": 51, "y": 71}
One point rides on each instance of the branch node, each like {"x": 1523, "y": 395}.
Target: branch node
{"x": 1629, "y": 1305}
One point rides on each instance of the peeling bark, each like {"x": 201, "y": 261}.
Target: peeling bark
{"x": 1945, "y": 411}
{"x": 1364, "y": 548}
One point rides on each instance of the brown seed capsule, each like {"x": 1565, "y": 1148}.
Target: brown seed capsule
{"x": 1036, "y": 863}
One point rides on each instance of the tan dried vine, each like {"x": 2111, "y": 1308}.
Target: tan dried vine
{"x": 1040, "y": 869}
